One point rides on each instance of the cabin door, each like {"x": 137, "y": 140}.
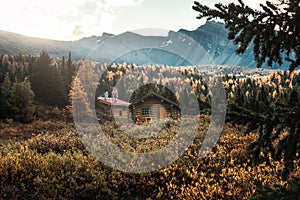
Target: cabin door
{"x": 162, "y": 112}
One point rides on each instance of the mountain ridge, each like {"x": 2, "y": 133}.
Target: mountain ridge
{"x": 212, "y": 37}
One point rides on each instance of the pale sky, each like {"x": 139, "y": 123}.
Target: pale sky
{"x": 74, "y": 19}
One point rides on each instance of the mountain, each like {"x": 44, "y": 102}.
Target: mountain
{"x": 208, "y": 44}
{"x": 12, "y": 43}
{"x": 212, "y": 36}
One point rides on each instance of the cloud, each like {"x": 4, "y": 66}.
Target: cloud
{"x": 60, "y": 19}
{"x": 122, "y": 3}
{"x": 77, "y": 31}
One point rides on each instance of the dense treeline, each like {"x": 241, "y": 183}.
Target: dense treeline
{"x": 27, "y": 81}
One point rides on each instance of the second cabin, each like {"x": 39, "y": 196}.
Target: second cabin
{"x": 154, "y": 107}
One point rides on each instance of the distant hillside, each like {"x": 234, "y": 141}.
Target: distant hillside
{"x": 173, "y": 50}
{"x": 12, "y": 43}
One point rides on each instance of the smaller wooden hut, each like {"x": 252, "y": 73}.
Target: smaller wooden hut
{"x": 154, "y": 107}
{"x": 114, "y": 107}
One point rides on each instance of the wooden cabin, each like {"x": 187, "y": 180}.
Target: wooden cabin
{"x": 154, "y": 107}
{"x": 114, "y": 107}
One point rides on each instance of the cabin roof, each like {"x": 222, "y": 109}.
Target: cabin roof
{"x": 156, "y": 95}
{"x": 113, "y": 101}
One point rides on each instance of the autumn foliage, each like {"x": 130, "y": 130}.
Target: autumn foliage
{"x": 45, "y": 159}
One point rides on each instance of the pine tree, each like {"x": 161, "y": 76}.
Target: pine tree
{"x": 273, "y": 118}
{"x": 22, "y": 101}
{"x": 5, "y": 95}
{"x": 68, "y": 72}
{"x": 47, "y": 82}
{"x": 273, "y": 31}
{"x": 79, "y": 103}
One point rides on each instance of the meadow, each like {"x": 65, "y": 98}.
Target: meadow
{"x": 47, "y": 160}
{"x": 43, "y": 157}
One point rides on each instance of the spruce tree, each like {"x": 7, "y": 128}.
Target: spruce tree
{"x": 273, "y": 30}
{"x": 5, "y": 95}
{"x": 22, "y": 101}
{"x": 276, "y": 119}
{"x": 47, "y": 82}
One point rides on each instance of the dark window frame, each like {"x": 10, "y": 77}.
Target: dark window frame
{"x": 146, "y": 111}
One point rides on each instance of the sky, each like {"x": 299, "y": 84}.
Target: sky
{"x": 74, "y": 19}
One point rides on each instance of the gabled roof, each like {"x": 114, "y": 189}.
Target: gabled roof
{"x": 156, "y": 95}
{"x": 113, "y": 101}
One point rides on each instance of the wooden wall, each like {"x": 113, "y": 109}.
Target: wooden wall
{"x": 113, "y": 111}
{"x": 156, "y": 103}
{"x": 123, "y": 110}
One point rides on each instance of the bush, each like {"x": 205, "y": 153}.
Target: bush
{"x": 72, "y": 175}
{"x": 56, "y": 166}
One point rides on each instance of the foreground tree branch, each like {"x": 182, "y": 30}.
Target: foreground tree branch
{"x": 274, "y": 31}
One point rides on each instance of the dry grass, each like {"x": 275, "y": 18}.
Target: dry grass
{"x": 50, "y": 162}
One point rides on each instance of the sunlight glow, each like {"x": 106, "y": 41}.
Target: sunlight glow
{"x": 60, "y": 19}
{"x": 73, "y": 20}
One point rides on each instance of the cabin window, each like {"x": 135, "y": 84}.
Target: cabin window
{"x": 146, "y": 111}
{"x": 120, "y": 112}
